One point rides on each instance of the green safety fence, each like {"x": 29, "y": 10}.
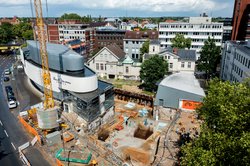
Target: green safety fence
{"x": 59, "y": 157}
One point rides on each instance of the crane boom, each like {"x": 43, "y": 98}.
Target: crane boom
{"x": 41, "y": 33}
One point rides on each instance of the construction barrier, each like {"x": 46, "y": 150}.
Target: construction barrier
{"x": 24, "y": 159}
{"x": 74, "y": 160}
{"x": 29, "y": 128}
{"x": 59, "y": 163}
{"x": 190, "y": 105}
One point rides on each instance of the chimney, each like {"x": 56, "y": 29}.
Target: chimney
{"x": 175, "y": 50}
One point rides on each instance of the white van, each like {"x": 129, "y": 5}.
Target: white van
{"x": 7, "y": 71}
{"x": 12, "y": 104}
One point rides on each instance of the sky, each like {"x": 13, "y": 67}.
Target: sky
{"x": 121, "y": 8}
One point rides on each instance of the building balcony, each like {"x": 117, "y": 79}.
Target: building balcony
{"x": 189, "y": 30}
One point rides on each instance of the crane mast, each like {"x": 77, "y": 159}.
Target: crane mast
{"x": 41, "y": 34}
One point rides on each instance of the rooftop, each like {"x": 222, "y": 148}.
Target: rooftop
{"x": 115, "y": 49}
{"x": 184, "y": 81}
{"x": 149, "y": 34}
{"x": 187, "y": 54}
{"x": 55, "y": 48}
{"x": 155, "y": 42}
{"x": 243, "y": 46}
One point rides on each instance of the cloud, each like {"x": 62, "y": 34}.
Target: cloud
{"x": 155, "y": 6}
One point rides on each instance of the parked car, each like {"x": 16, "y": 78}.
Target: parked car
{"x": 11, "y": 98}
{"x": 10, "y": 93}
{"x": 5, "y": 79}
{"x": 8, "y": 88}
{"x": 12, "y": 104}
{"x": 7, "y": 71}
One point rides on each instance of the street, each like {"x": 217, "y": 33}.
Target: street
{"x": 12, "y": 135}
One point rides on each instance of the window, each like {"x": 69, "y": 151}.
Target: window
{"x": 127, "y": 70}
{"x": 153, "y": 48}
{"x": 105, "y": 67}
{"x": 189, "y": 64}
{"x": 182, "y": 64}
{"x": 170, "y": 65}
{"x": 133, "y": 56}
{"x": 101, "y": 67}
{"x": 161, "y": 101}
{"x": 97, "y": 66}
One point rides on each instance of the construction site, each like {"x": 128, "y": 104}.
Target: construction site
{"x": 82, "y": 120}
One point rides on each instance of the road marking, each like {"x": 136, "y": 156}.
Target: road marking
{"x": 1, "y": 123}
{"x": 13, "y": 145}
{"x": 6, "y": 133}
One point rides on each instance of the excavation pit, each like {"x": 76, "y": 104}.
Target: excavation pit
{"x": 143, "y": 132}
{"x": 103, "y": 135}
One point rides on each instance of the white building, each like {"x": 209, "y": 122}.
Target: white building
{"x": 71, "y": 31}
{"x": 111, "y": 62}
{"x": 235, "y": 63}
{"x": 178, "y": 60}
{"x": 198, "y": 29}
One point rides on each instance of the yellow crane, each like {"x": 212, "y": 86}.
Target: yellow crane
{"x": 41, "y": 34}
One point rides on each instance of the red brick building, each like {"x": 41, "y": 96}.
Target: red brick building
{"x": 53, "y": 33}
{"x": 241, "y": 20}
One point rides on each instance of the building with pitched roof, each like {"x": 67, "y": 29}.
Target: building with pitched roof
{"x": 178, "y": 59}
{"x": 111, "y": 62}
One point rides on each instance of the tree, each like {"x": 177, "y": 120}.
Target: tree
{"x": 70, "y": 16}
{"x": 145, "y": 47}
{"x": 209, "y": 58}
{"x": 28, "y": 35}
{"x": 86, "y": 19}
{"x": 23, "y": 31}
{"x": 179, "y": 41}
{"x": 225, "y": 133}
{"x": 6, "y": 34}
{"x": 153, "y": 70}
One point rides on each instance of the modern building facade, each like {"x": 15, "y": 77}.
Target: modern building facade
{"x": 241, "y": 20}
{"x": 227, "y": 29}
{"x": 198, "y": 29}
{"x": 92, "y": 100}
{"x": 235, "y": 63}
{"x": 134, "y": 40}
